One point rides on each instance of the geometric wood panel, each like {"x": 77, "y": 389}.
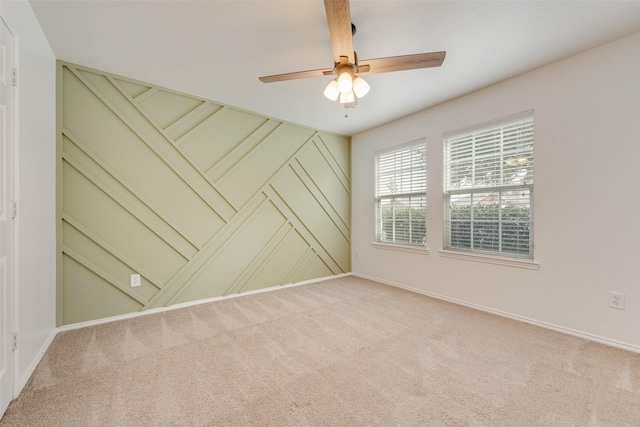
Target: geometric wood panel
{"x": 200, "y": 198}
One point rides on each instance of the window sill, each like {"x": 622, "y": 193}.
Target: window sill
{"x": 423, "y": 250}
{"x": 510, "y": 262}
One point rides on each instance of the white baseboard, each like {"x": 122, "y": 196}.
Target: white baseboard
{"x": 191, "y": 303}
{"x": 22, "y": 381}
{"x": 556, "y": 328}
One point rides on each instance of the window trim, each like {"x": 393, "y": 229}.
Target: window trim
{"x": 478, "y": 255}
{"x": 399, "y": 247}
{"x": 525, "y": 263}
{"x": 406, "y": 247}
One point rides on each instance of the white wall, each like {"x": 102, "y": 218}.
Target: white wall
{"x": 35, "y": 246}
{"x": 587, "y": 208}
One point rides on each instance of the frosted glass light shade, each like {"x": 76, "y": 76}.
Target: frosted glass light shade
{"x": 345, "y": 82}
{"x": 332, "y": 91}
{"x": 360, "y": 87}
{"x": 347, "y": 98}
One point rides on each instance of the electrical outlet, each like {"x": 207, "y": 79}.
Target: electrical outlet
{"x": 616, "y": 300}
{"x": 135, "y": 280}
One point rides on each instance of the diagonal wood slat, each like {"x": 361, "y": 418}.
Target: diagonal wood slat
{"x": 103, "y": 274}
{"x": 198, "y": 197}
{"x": 120, "y": 106}
{"x": 113, "y": 251}
{"x": 143, "y": 212}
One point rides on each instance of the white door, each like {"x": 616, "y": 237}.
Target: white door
{"x": 6, "y": 217}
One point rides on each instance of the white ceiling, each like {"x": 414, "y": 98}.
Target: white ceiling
{"x": 218, "y": 49}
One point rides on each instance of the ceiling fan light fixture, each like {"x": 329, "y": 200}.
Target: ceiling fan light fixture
{"x": 347, "y": 98}
{"x": 345, "y": 80}
{"x": 332, "y": 91}
{"x": 360, "y": 87}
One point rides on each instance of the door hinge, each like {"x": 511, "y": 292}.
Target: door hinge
{"x": 14, "y": 345}
{"x": 14, "y": 210}
{"x": 14, "y": 77}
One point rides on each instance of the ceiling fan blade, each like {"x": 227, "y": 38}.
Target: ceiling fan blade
{"x": 403, "y": 62}
{"x": 296, "y": 75}
{"x": 339, "y": 20}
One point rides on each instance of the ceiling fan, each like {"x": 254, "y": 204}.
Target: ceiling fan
{"x": 348, "y": 86}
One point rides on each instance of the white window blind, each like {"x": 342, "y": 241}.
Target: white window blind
{"x": 401, "y": 185}
{"x": 488, "y": 186}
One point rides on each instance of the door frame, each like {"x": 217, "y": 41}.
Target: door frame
{"x": 12, "y": 291}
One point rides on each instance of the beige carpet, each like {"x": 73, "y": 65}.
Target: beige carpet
{"x": 344, "y": 352}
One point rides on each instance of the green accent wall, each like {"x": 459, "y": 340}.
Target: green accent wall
{"x": 201, "y": 199}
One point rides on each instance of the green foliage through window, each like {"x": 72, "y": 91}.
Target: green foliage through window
{"x": 401, "y": 194}
{"x": 401, "y": 223}
{"x": 493, "y": 228}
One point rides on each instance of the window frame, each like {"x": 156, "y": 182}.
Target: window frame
{"x": 378, "y": 241}
{"x": 499, "y": 188}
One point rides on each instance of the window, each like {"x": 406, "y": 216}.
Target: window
{"x": 488, "y": 188}
{"x": 401, "y": 185}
